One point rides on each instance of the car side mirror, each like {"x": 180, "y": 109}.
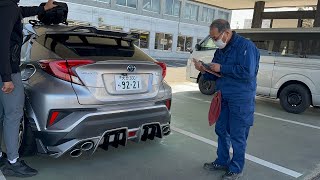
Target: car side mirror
{"x": 198, "y": 47}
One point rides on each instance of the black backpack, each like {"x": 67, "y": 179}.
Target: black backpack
{"x": 56, "y": 15}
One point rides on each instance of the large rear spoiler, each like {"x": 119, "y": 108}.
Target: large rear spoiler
{"x": 96, "y": 32}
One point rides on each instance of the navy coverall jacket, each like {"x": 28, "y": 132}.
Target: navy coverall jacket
{"x": 239, "y": 62}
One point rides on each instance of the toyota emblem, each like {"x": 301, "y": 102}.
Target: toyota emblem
{"x": 131, "y": 68}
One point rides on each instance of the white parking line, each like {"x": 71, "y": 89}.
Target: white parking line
{"x": 254, "y": 159}
{"x": 267, "y": 116}
{"x": 288, "y": 121}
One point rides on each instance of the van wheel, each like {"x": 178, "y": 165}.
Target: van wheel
{"x": 295, "y": 98}
{"x": 27, "y": 144}
{"x": 206, "y": 87}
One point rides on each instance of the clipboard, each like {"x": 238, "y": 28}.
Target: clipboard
{"x": 214, "y": 73}
{"x": 206, "y": 67}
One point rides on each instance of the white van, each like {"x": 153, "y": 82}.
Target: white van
{"x": 289, "y": 65}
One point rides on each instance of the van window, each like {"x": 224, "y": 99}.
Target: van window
{"x": 311, "y": 48}
{"x": 208, "y": 44}
{"x": 291, "y": 48}
{"x": 300, "y": 45}
{"x": 263, "y": 42}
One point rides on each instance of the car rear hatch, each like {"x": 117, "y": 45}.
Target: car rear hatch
{"x": 117, "y": 81}
{"x": 107, "y": 64}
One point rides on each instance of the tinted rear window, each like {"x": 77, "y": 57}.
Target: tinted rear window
{"x": 79, "y": 46}
{"x": 305, "y": 45}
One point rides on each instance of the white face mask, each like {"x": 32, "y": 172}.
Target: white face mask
{"x": 219, "y": 43}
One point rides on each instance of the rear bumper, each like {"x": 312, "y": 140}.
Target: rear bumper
{"x": 140, "y": 134}
{"x": 92, "y": 126}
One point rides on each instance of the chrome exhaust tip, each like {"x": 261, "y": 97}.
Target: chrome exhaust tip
{"x": 86, "y": 146}
{"x": 166, "y": 130}
{"x": 76, "y": 153}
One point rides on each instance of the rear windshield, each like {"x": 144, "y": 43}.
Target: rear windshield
{"x": 71, "y": 46}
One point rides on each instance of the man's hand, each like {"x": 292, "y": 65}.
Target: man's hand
{"x": 49, "y": 5}
{"x": 7, "y": 87}
{"x": 198, "y": 65}
{"x": 215, "y": 67}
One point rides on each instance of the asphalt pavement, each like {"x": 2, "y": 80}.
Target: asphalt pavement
{"x": 281, "y": 146}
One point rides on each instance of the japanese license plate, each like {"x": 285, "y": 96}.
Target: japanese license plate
{"x": 128, "y": 83}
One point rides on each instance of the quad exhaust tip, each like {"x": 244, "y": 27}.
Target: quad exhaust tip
{"x": 86, "y": 146}
{"x": 76, "y": 153}
{"x": 166, "y": 130}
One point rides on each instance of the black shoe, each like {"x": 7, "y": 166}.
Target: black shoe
{"x": 19, "y": 169}
{"x": 3, "y": 160}
{"x": 214, "y": 167}
{"x": 231, "y": 176}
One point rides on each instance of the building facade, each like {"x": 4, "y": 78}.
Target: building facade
{"x": 169, "y": 28}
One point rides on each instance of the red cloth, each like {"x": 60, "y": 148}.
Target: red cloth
{"x": 215, "y": 108}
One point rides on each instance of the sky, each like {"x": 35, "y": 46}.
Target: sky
{"x": 238, "y": 16}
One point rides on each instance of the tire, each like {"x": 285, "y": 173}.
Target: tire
{"x": 206, "y": 87}
{"x": 295, "y": 98}
{"x": 27, "y": 143}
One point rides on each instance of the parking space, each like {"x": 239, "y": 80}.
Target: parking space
{"x": 280, "y": 146}
{"x": 279, "y": 141}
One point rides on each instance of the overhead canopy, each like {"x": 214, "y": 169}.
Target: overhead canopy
{"x": 249, "y": 4}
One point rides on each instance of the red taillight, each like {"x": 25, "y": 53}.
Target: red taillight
{"x": 53, "y": 118}
{"x": 168, "y": 104}
{"x": 63, "y": 68}
{"x": 132, "y": 134}
{"x": 164, "y": 68}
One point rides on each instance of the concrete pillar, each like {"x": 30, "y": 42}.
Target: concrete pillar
{"x": 317, "y": 18}
{"x": 257, "y": 14}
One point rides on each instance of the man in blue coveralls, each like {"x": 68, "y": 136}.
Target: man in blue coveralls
{"x": 237, "y": 60}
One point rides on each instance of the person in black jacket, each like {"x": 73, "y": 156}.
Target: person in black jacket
{"x": 12, "y": 92}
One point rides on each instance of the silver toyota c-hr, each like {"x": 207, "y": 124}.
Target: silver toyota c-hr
{"x": 87, "y": 88}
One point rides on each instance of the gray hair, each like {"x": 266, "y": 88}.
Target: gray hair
{"x": 221, "y": 25}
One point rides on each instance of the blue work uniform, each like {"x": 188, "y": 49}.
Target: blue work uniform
{"x": 239, "y": 62}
